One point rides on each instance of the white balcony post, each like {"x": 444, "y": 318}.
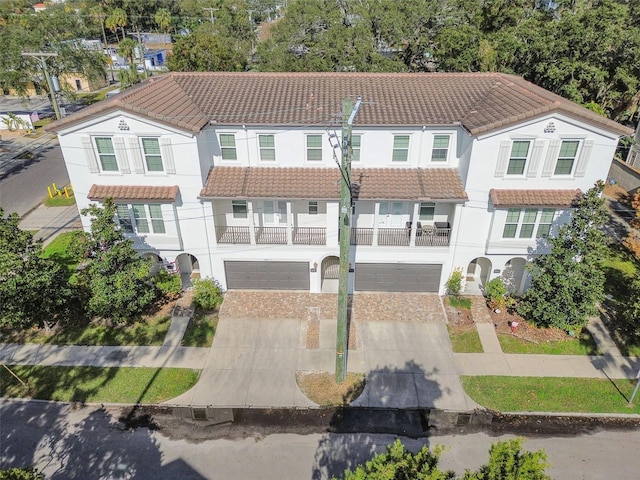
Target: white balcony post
{"x": 289, "y": 224}
{"x": 376, "y": 215}
{"x": 212, "y": 222}
{"x": 252, "y": 229}
{"x": 414, "y": 224}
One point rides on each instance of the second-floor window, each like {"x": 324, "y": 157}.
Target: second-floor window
{"x": 313, "y": 208}
{"x": 314, "y": 148}
{"x": 440, "y": 150}
{"x": 518, "y": 157}
{"x": 228, "y": 146}
{"x": 152, "y": 156}
{"x": 566, "y": 157}
{"x": 400, "y": 148}
{"x": 356, "y": 141}
{"x": 106, "y": 154}
{"x": 239, "y": 208}
{"x": 524, "y": 222}
{"x": 427, "y": 210}
{"x": 267, "y": 148}
{"x": 141, "y": 218}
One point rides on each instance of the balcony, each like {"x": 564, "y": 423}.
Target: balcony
{"x": 271, "y": 235}
{"x": 309, "y": 236}
{"x": 401, "y": 237}
{"x": 233, "y": 235}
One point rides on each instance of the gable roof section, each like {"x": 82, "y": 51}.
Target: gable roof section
{"x": 480, "y": 102}
{"x": 442, "y": 184}
{"x": 133, "y": 192}
{"x": 534, "y": 198}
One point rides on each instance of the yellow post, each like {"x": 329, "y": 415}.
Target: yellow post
{"x": 56, "y": 189}
{"x": 66, "y": 192}
{"x": 49, "y": 190}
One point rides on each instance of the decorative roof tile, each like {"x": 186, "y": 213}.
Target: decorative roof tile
{"x": 133, "y": 192}
{"x": 534, "y": 198}
{"x": 442, "y": 184}
{"x": 480, "y": 102}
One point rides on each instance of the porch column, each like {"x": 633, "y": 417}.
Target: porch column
{"x": 289, "y": 224}
{"x": 376, "y": 215}
{"x": 213, "y": 240}
{"x": 252, "y": 227}
{"x": 414, "y": 224}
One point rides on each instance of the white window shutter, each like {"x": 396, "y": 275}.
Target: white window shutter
{"x": 583, "y": 159}
{"x": 534, "y": 161}
{"x": 167, "y": 156}
{"x": 121, "y": 154}
{"x": 136, "y": 155}
{"x": 552, "y": 156}
{"x": 503, "y": 158}
{"x": 90, "y": 155}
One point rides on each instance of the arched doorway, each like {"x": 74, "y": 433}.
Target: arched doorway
{"x": 330, "y": 269}
{"x": 478, "y": 273}
{"x": 189, "y": 268}
{"x": 513, "y": 274}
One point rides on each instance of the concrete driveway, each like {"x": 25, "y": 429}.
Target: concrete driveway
{"x": 254, "y": 358}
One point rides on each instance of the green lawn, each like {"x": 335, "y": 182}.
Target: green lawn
{"x": 546, "y": 394}
{"x": 93, "y": 384}
{"x": 581, "y": 345}
{"x": 60, "y": 201}
{"x": 465, "y": 341}
{"x": 61, "y": 249}
{"x": 201, "y": 329}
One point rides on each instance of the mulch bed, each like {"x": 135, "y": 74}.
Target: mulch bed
{"x": 525, "y": 330}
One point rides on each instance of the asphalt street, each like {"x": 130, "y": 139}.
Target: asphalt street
{"x": 71, "y": 442}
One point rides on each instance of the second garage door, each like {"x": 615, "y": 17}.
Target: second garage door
{"x": 397, "y": 277}
{"x": 267, "y": 275}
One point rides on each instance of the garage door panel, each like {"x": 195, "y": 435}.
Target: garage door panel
{"x": 267, "y": 275}
{"x": 397, "y": 277}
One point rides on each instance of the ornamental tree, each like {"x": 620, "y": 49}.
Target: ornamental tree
{"x": 567, "y": 283}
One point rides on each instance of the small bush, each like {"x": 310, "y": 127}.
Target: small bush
{"x": 169, "y": 285}
{"x": 454, "y": 284}
{"x": 496, "y": 294}
{"x": 207, "y": 293}
{"x": 457, "y": 302}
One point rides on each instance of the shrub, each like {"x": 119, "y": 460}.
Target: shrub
{"x": 207, "y": 293}
{"x": 454, "y": 284}
{"x": 496, "y": 294}
{"x": 169, "y": 285}
{"x": 458, "y": 302}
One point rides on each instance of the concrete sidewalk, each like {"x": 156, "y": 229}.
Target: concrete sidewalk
{"x": 51, "y": 221}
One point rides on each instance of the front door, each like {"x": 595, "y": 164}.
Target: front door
{"x": 275, "y": 213}
{"x": 390, "y": 214}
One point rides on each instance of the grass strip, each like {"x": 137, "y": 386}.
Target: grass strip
{"x": 201, "y": 329}
{"x": 465, "y": 341}
{"x": 582, "y": 345}
{"x": 60, "y": 201}
{"x": 94, "y": 384}
{"x": 545, "y": 394}
{"x": 61, "y": 249}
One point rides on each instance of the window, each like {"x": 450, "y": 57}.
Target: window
{"x": 313, "y": 208}
{"x": 141, "y": 218}
{"x": 522, "y": 223}
{"x": 427, "y": 211}
{"x": 566, "y": 157}
{"x": 152, "y": 157}
{"x": 400, "y": 148}
{"x": 239, "y": 208}
{"x": 314, "y": 148}
{"x": 440, "y": 148}
{"x": 267, "y": 148}
{"x": 107, "y": 154}
{"x": 124, "y": 218}
{"x": 518, "y": 157}
{"x": 228, "y": 146}
{"x": 355, "y": 147}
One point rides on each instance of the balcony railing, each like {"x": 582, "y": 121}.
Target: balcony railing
{"x": 401, "y": 237}
{"x": 362, "y": 236}
{"x": 437, "y": 237}
{"x": 309, "y": 236}
{"x": 233, "y": 235}
{"x": 394, "y": 237}
{"x": 271, "y": 235}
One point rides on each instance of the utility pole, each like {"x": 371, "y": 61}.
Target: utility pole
{"x": 42, "y": 56}
{"x": 141, "y": 50}
{"x": 210, "y": 10}
{"x": 349, "y": 112}
{"x": 106, "y": 45}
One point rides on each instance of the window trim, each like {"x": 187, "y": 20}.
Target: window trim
{"x": 272, "y": 148}
{"x": 99, "y": 154}
{"x": 446, "y": 150}
{"x": 240, "y": 204}
{"x": 313, "y": 205}
{"x": 512, "y": 157}
{"x": 129, "y": 225}
{"x": 314, "y": 148}
{"x": 536, "y": 225}
{"x": 356, "y": 157}
{"x": 426, "y": 205}
{"x": 145, "y": 155}
{"x": 574, "y": 160}
{"x": 224, "y": 148}
{"x": 400, "y": 149}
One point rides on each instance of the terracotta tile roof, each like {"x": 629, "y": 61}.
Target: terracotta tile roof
{"x": 480, "y": 102}
{"x": 534, "y": 198}
{"x": 441, "y": 184}
{"x": 133, "y": 192}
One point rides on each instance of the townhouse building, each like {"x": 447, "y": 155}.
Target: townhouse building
{"x": 235, "y": 176}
